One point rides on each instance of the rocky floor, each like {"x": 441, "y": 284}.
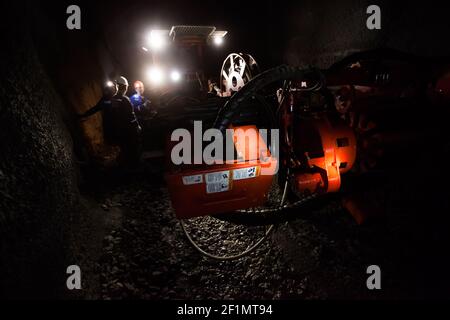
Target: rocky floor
{"x": 144, "y": 254}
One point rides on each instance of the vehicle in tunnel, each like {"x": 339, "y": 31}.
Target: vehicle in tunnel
{"x": 355, "y": 139}
{"x": 330, "y": 122}
{"x": 179, "y": 74}
{"x": 178, "y": 57}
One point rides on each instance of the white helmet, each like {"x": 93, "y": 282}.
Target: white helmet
{"x": 122, "y": 81}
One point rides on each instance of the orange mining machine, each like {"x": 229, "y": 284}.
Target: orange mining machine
{"x": 327, "y": 122}
{"x": 239, "y": 183}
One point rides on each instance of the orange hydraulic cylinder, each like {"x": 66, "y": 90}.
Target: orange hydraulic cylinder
{"x": 338, "y": 144}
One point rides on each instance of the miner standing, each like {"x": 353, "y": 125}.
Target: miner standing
{"x": 142, "y": 105}
{"x": 120, "y": 126}
{"x": 104, "y": 105}
{"x": 126, "y": 125}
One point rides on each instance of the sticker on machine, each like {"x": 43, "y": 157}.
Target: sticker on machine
{"x": 217, "y": 187}
{"x": 245, "y": 173}
{"x": 217, "y": 182}
{"x": 215, "y": 177}
{"x": 190, "y": 180}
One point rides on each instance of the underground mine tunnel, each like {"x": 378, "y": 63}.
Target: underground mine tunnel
{"x": 349, "y": 117}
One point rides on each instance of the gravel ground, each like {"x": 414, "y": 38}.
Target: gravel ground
{"x": 130, "y": 246}
{"x": 149, "y": 257}
{"x": 145, "y": 255}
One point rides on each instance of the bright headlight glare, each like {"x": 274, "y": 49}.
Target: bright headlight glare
{"x": 110, "y": 84}
{"x": 218, "y": 41}
{"x": 157, "y": 40}
{"x": 175, "y": 76}
{"x": 156, "y": 75}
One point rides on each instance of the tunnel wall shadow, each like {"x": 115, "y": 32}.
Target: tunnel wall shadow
{"x": 47, "y": 77}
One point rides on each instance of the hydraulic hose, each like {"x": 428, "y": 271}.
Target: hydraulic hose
{"x": 247, "y": 251}
{"x": 225, "y": 118}
{"x": 228, "y": 112}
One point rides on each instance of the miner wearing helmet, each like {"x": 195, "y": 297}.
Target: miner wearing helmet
{"x": 103, "y": 105}
{"x": 138, "y": 100}
{"x": 120, "y": 126}
{"x": 109, "y": 91}
{"x": 126, "y": 125}
{"x": 142, "y": 106}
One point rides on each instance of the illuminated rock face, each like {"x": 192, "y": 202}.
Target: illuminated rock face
{"x": 78, "y": 64}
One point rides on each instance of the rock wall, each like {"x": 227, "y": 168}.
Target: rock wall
{"x": 323, "y": 32}
{"x": 38, "y": 188}
{"x": 47, "y": 76}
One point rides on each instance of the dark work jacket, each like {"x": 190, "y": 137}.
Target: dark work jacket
{"x": 119, "y": 120}
{"x": 100, "y": 106}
